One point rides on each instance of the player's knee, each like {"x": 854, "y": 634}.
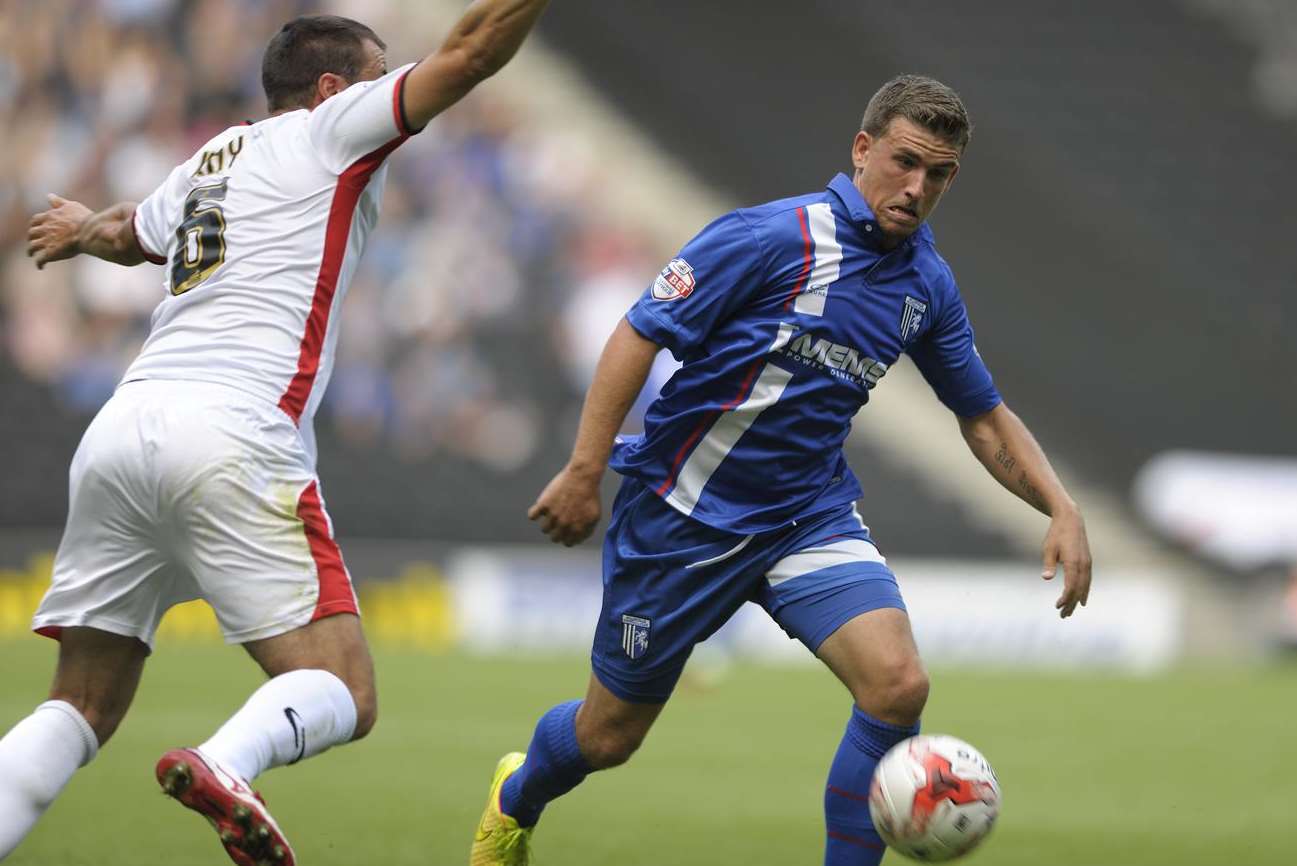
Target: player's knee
{"x": 104, "y": 724}
{"x": 896, "y": 692}
{"x": 906, "y": 691}
{"x": 610, "y": 747}
{"x": 103, "y": 713}
{"x": 366, "y": 710}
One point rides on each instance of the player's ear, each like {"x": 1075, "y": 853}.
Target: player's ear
{"x": 860, "y": 147}
{"x": 329, "y": 84}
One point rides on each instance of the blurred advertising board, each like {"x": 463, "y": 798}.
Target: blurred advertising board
{"x": 1237, "y": 509}
{"x": 539, "y": 600}
{"x": 998, "y": 614}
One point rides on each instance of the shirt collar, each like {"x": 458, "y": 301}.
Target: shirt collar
{"x": 861, "y": 213}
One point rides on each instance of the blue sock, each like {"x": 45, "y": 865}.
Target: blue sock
{"x": 554, "y": 766}
{"x": 851, "y": 837}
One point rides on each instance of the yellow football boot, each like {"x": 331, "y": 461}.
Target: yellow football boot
{"x": 499, "y": 840}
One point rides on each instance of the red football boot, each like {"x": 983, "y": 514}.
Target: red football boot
{"x": 250, "y": 836}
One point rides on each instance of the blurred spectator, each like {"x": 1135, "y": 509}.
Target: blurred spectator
{"x": 606, "y": 279}
{"x": 1271, "y": 27}
{"x": 487, "y": 247}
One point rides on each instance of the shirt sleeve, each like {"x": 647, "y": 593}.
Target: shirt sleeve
{"x": 157, "y": 217}
{"x": 714, "y": 274}
{"x": 949, "y": 361}
{"x": 362, "y": 119}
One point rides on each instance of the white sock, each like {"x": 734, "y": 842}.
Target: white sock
{"x": 293, "y": 716}
{"x": 37, "y": 758}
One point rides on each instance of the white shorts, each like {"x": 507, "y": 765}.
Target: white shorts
{"x": 184, "y": 490}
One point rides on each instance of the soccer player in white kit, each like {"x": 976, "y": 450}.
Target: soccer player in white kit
{"x": 197, "y": 479}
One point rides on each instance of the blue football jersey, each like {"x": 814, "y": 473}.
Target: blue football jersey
{"x": 784, "y": 316}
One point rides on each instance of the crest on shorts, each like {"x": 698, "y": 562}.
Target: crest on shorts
{"x": 911, "y": 318}
{"x": 634, "y": 635}
{"x": 675, "y": 282}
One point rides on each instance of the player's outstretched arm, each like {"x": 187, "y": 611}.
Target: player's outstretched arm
{"x": 1011, "y": 454}
{"x": 69, "y": 228}
{"x": 568, "y": 508}
{"x": 481, "y": 43}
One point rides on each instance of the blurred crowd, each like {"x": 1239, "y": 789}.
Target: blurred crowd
{"x": 484, "y": 297}
{"x": 1270, "y": 28}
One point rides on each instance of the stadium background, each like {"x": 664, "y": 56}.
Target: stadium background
{"x": 1121, "y": 232}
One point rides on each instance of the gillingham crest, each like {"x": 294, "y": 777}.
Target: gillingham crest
{"x": 912, "y": 318}
{"x": 634, "y": 635}
{"x": 676, "y": 281}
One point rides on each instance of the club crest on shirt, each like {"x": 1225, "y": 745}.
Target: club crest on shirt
{"x": 675, "y": 282}
{"x": 634, "y": 635}
{"x": 911, "y": 318}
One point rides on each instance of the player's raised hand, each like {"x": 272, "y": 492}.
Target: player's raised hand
{"x": 52, "y": 234}
{"x": 568, "y": 508}
{"x": 1066, "y": 544}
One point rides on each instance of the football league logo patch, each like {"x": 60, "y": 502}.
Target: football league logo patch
{"x": 912, "y": 318}
{"x": 675, "y": 282}
{"x": 634, "y": 635}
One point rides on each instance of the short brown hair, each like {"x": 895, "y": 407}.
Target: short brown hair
{"x": 306, "y": 48}
{"x": 921, "y": 100}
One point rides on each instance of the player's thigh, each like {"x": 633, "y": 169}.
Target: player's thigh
{"x": 669, "y": 583}
{"x": 256, "y": 537}
{"x": 831, "y": 589}
{"x": 608, "y": 728}
{"x": 98, "y": 673}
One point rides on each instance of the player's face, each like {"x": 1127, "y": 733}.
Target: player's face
{"x": 902, "y": 174}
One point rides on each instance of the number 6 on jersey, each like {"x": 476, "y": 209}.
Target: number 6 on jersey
{"x": 202, "y": 238}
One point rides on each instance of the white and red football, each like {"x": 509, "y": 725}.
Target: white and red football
{"x": 934, "y": 798}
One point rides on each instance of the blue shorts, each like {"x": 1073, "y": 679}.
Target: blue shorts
{"x": 669, "y": 582}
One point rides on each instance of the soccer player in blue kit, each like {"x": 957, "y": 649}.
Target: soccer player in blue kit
{"x": 784, "y": 317}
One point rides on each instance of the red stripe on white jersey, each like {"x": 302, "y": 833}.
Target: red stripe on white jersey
{"x": 336, "y": 595}
{"x": 398, "y": 109}
{"x": 152, "y": 258}
{"x": 351, "y": 185}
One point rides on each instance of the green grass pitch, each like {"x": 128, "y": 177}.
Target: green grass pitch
{"x": 1194, "y": 767}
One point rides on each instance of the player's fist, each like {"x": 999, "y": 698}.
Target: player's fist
{"x": 568, "y": 508}
{"x": 52, "y": 234}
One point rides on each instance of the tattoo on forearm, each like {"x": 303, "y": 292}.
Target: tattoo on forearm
{"x": 1030, "y": 492}
{"x": 1008, "y": 463}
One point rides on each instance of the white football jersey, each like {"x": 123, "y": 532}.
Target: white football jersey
{"x": 261, "y": 232}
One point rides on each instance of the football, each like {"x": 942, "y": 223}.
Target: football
{"x": 934, "y": 798}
